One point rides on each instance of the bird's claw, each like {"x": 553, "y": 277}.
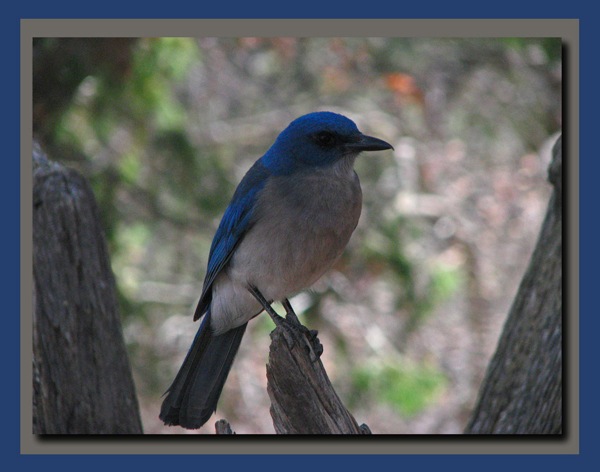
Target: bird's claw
{"x": 291, "y": 321}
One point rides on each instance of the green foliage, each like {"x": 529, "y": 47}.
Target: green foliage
{"x": 388, "y": 246}
{"x": 132, "y": 241}
{"x": 409, "y": 388}
{"x": 445, "y": 282}
{"x": 158, "y": 66}
{"x": 550, "y": 47}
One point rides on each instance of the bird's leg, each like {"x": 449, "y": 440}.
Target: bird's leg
{"x": 293, "y": 322}
{"x": 265, "y": 304}
{"x": 289, "y": 311}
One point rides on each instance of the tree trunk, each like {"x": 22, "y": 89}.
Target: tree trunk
{"x": 82, "y": 382}
{"x": 522, "y": 389}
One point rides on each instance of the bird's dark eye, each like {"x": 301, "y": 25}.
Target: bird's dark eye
{"x": 325, "y": 138}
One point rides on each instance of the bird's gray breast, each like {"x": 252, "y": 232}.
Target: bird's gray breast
{"x": 303, "y": 223}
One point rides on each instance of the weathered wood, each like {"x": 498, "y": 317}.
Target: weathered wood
{"x": 82, "y": 382}
{"x": 303, "y": 401}
{"x": 223, "y": 427}
{"x": 522, "y": 389}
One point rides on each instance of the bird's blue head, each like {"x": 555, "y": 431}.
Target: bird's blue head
{"x": 316, "y": 140}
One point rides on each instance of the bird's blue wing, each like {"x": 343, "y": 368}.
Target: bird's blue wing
{"x": 236, "y": 222}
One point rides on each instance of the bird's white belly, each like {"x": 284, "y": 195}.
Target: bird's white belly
{"x": 282, "y": 255}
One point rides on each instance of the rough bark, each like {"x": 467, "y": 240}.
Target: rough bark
{"x": 82, "y": 382}
{"x": 522, "y": 389}
{"x": 223, "y": 427}
{"x": 303, "y": 401}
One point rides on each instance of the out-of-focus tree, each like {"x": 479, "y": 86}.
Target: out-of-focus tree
{"x": 522, "y": 389}
{"x": 164, "y": 128}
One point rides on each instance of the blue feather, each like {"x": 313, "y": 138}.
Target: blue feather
{"x": 236, "y": 222}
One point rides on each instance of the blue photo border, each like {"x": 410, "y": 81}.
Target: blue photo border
{"x": 12, "y": 237}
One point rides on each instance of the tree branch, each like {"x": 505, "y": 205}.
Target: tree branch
{"x": 303, "y": 400}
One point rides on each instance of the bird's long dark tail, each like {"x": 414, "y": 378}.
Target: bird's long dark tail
{"x": 193, "y": 396}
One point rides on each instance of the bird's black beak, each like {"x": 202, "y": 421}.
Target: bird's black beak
{"x": 368, "y": 143}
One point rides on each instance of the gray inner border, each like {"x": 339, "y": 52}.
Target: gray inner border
{"x": 567, "y": 29}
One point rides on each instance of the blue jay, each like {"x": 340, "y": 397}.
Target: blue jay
{"x": 289, "y": 220}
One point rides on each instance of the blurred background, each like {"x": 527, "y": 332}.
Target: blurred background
{"x": 164, "y": 129}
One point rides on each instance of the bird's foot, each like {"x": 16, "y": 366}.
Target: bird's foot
{"x": 300, "y": 335}
{"x": 289, "y": 323}
{"x": 315, "y": 343}
{"x": 294, "y": 323}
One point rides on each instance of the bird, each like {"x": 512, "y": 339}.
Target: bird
{"x": 289, "y": 220}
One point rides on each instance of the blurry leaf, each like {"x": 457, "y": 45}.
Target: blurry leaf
{"x": 407, "y": 388}
{"x": 129, "y": 167}
{"x": 445, "y": 281}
